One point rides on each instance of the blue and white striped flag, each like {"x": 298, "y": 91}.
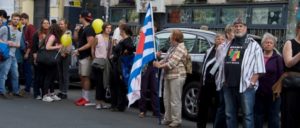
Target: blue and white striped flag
{"x": 145, "y": 53}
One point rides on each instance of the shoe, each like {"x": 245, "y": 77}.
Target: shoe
{"x": 81, "y": 102}
{"x": 38, "y": 97}
{"x": 24, "y": 93}
{"x": 62, "y": 96}
{"x": 174, "y": 125}
{"x": 142, "y": 115}
{"x": 47, "y": 99}
{"x": 18, "y": 95}
{"x": 5, "y": 96}
{"x": 55, "y": 97}
{"x": 114, "y": 109}
{"x": 101, "y": 106}
{"x": 164, "y": 122}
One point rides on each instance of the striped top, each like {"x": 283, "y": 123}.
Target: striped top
{"x": 175, "y": 58}
{"x": 252, "y": 63}
{"x": 207, "y": 63}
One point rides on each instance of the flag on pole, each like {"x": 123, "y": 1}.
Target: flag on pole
{"x": 145, "y": 53}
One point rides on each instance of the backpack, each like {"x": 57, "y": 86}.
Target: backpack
{"x": 8, "y": 32}
{"x": 188, "y": 64}
{"x": 4, "y": 51}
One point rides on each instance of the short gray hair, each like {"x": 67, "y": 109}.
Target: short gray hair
{"x": 269, "y": 36}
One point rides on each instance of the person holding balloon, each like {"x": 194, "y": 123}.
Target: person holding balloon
{"x": 52, "y": 42}
{"x": 85, "y": 37}
{"x": 101, "y": 65}
{"x": 63, "y": 64}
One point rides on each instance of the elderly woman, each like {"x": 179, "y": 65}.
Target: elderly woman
{"x": 264, "y": 97}
{"x": 208, "y": 89}
{"x": 174, "y": 78}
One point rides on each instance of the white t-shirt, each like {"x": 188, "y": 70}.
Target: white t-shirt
{"x": 15, "y": 36}
{"x": 117, "y": 35}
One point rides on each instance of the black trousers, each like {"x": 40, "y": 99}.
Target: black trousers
{"x": 290, "y": 108}
{"x": 38, "y": 80}
{"x": 207, "y": 98}
{"x": 97, "y": 78}
{"x": 50, "y": 74}
{"x": 118, "y": 90}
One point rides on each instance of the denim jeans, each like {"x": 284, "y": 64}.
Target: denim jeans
{"x": 28, "y": 74}
{"x": 9, "y": 65}
{"x": 264, "y": 104}
{"x": 232, "y": 98}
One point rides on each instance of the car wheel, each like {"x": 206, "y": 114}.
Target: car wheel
{"x": 189, "y": 100}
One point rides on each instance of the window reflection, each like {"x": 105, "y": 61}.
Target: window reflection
{"x": 228, "y": 15}
{"x": 204, "y": 16}
{"x": 271, "y": 15}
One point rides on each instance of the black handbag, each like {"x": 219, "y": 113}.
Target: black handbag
{"x": 291, "y": 82}
{"x": 47, "y": 57}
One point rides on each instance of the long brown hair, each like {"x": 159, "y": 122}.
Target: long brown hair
{"x": 41, "y": 29}
{"x": 56, "y": 31}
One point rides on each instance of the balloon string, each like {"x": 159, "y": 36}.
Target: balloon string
{"x": 57, "y": 53}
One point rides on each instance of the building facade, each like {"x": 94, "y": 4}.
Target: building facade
{"x": 261, "y": 15}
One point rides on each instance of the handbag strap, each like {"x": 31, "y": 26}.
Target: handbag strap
{"x": 43, "y": 45}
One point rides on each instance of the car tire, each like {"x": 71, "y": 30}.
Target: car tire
{"x": 189, "y": 100}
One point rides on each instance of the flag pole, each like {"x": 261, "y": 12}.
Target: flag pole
{"x": 154, "y": 42}
{"x": 157, "y": 70}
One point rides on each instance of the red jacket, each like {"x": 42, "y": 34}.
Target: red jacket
{"x": 28, "y": 34}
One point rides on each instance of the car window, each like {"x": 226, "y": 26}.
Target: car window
{"x": 203, "y": 45}
{"x": 163, "y": 41}
{"x": 189, "y": 41}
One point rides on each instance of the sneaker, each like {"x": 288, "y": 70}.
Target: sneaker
{"x": 174, "y": 125}
{"x": 18, "y": 95}
{"x": 164, "y": 122}
{"x": 142, "y": 115}
{"x": 47, "y": 99}
{"x": 62, "y": 96}
{"x": 24, "y": 93}
{"x": 100, "y": 106}
{"x": 81, "y": 102}
{"x": 5, "y": 96}
{"x": 55, "y": 97}
{"x": 38, "y": 97}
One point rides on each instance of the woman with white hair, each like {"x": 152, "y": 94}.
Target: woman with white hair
{"x": 264, "y": 102}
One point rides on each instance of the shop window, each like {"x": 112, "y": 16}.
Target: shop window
{"x": 178, "y": 16}
{"x": 228, "y": 15}
{"x": 132, "y": 16}
{"x": 267, "y": 16}
{"x": 204, "y": 16}
{"x": 117, "y": 15}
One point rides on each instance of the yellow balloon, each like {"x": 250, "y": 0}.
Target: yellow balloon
{"x": 66, "y": 40}
{"x": 97, "y": 25}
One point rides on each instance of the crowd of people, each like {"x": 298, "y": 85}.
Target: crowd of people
{"x": 237, "y": 72}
